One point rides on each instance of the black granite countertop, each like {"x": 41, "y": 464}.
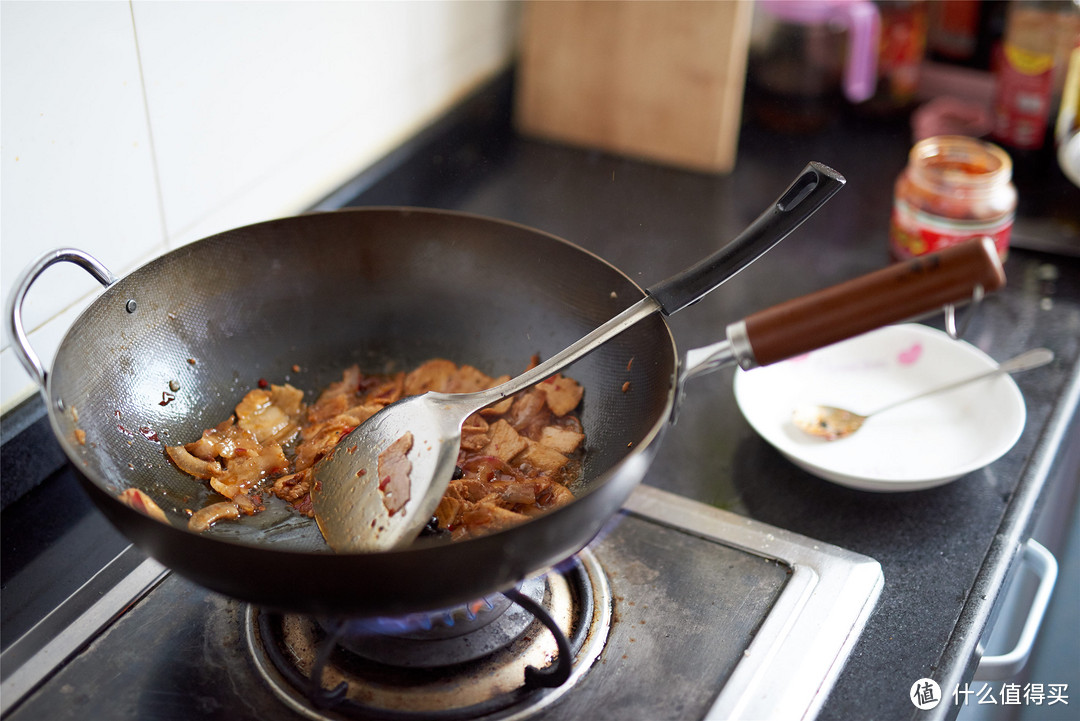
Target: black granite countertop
{"x": 945, "y": 552}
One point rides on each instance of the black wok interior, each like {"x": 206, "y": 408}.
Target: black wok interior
{"x": 385, "y": 288}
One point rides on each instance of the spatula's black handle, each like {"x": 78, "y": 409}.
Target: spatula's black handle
{"x": 816, "y": 184}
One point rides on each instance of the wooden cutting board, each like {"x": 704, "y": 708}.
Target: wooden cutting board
{"x": 658, "y": 80}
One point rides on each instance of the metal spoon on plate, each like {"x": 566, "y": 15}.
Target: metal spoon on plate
{"x": 833, "y": 423}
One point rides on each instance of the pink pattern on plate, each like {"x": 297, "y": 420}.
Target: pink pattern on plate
{"x": 910, "y": 356}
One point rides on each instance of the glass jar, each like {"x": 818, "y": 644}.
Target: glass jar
{"x": 954, "y": 188}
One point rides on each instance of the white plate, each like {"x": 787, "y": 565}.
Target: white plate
{"x": 919, "y": 445}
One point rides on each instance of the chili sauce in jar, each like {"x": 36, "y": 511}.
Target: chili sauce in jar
{"x": 954, "y": 188}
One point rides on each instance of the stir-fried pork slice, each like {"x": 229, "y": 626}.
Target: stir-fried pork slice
{"x": 445, "y": 376}
{"x": 192, "y": 465}
{"x": 431, "y": 376}
{"x": 485, "y": 518}
{"x": 382, "y": 393}
{"x": 293, "y": 487}
{"x": 474, "y": 433}
{"x": 563, "y": 394}
{"x": 447, "y": 511}
{"x": 271, "y": 415}
{"x": 319, "y": 439}
{"x": 561, "y": 438}
{"x": 544, "y": 459}
{"x": 134, "y": 498}
{"x": 347, "y": 386}
{"x": 552, "y": 495}
{"x": 207, "y": 516}
{"x": 247, "y": 468}
{"x": 505, "y": 442}
{"x": 394, "y": 469}
{"x": 214, "y": 442}
{"x": 529, "y": 412}
{"x": 467, "y": 379}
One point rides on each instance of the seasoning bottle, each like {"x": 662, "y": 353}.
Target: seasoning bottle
{"x": 1039, "y": 36}
{"x": 900, "y": 53}
{"x": 953, "y": 188}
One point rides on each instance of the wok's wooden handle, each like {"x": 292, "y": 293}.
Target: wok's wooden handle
{"x": 897, "y": 292}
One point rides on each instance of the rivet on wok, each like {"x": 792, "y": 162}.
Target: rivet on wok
{"x": 131, "y": 306}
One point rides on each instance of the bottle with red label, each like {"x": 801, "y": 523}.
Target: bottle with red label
{"x": 1030, "y": 70}
{"x": 900, "y": 51}
{"x": 954, "y": 188}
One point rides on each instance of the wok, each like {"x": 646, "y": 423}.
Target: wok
{"x": 169, "y": 350}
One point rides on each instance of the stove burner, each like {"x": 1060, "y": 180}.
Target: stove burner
{"x": 443, "y": 638}
{"x": 484, "y": 660}
{"x": 436, "y": 624}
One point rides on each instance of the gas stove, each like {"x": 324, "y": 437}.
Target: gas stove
{"x": 676, "y": 610}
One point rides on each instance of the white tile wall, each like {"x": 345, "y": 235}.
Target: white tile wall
{"x": 131, "y": 128}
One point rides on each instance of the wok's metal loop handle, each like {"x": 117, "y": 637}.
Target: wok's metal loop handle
{"x": 26, "y": 355}
{"x": 815, "y": 185}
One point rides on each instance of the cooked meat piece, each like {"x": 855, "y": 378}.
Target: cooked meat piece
{"x": 486, "y": 518}
{"x": 205, "y": 517}
{"x": 561, "y": 438}
{"x": 214, "y": 442}
{"x": 293, "y": 487}
{"x": 529, "y": 410}
{"x": 317, "y": 440}
{"x": 431, "y": 376}
{"x": 350, "y": 381}
{"x": 563, "y": 394}
{"x": 394, "y": 470}
{"x": 386, "y": 393}
{"x": 143, "y": 503}
{"x": 191, "y": 465}
{"x": 474, "y": 441}
{"x": 271, "y": 415}
{"x": 447, "y": 511}
{"x": 499, "y": 408}
{"x": 329, "y": 406}
{"x": 517, "y": 492}
{"x": 553, "y": 495}
{"x": 542, "y": 458}
{"x": 467, "y": 379}
{"x": 474, "y": 433}
{"x": 505, "y": 441}
{"x": 249, "y": 466}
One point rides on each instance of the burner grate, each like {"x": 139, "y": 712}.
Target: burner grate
{"x": 474, "y": 662}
